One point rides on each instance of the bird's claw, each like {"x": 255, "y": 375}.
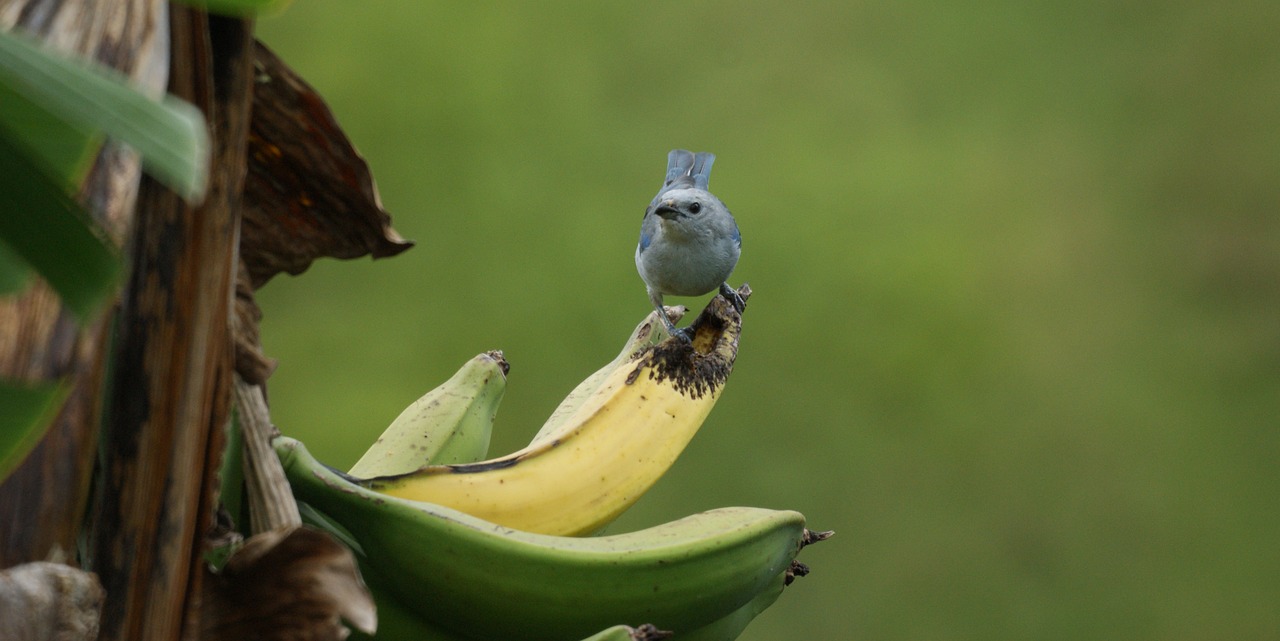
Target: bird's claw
{"x": 684, "y": 334}
{"x": 733, "y": 297}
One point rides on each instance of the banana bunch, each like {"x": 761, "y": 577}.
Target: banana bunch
{"x": 610, "y": 440}
{"x": 455, "y": 548}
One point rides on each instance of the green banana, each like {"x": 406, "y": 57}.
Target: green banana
{"x": 450, "y": 424}
{"x": 650, "y": 331}
{"x": 396, "y": 622}
{"x": 598, "y": 460}
{"x": 726, "y": 628}
{"x": 492, "y": 583}
{"x": 731, "y": 626}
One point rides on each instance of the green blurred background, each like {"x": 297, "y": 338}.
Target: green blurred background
{"x": 1016, "y": 329}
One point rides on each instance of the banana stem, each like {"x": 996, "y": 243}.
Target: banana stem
{"x": 811, "y": 536}
{"x": 271, "y": 503}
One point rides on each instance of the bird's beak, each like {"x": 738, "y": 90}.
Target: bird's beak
{"x": 667, "y": 209}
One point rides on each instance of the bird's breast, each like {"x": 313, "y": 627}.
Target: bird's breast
{"x": 690, "y": 268}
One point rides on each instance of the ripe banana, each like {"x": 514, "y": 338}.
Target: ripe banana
{"x": 450, "y": 424}
{"x": 492, "y": 583}
{"x": 579, "y": 476}
{"x": 650, "y": 331}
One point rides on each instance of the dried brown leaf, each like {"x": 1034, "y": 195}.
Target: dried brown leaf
{"x": 308, "y": 193}
{"x": 287, "y": 585}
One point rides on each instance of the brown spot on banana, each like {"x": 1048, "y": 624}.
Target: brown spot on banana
{"x": 702, "y": 365}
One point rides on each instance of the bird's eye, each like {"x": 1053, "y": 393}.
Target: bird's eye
{"x": 695, "y": 208}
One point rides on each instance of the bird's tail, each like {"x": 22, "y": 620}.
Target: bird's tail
{"x": 679, "y": 163}
{"x": 701, "y": 170}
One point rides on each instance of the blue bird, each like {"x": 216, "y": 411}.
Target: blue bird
{"x": 689, "y": 242}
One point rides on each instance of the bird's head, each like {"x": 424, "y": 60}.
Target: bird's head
{"x": 683, "y": 205}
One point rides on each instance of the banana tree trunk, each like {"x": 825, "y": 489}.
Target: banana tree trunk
{"x": 172, "y": 371}
{"x": 42, "y": 503}
{"x": 160, "y": 387}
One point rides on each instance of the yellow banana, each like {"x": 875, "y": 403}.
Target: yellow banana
{"x": 650, "y": 331}
{"x": 450, "y": 424}
{"x": 620, "y": 440}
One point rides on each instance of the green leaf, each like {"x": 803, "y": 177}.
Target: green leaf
{"x": 169, "y": 134}
{"x": 241, "y": 7}
{"x": 66, "y": 150}
{"x": 42, "y": 225}
{"x": 25, "y": 415}
{"x": 14, "y": 273}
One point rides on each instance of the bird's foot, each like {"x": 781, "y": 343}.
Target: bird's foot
{"x": 733, "y": 297}
{"x": 684, "y": 334}
{"x": 670, "y": 325}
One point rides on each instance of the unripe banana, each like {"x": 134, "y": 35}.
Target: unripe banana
{"x": 396, "y": 622}
{"x": 492, "y": 583}
{"x": 450, "y": 424}
{"x": 729, "y": 627}
{"x": 614, "y": 447}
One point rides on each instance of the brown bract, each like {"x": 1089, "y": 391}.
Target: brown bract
{"x": 293, "y": 584}
{"x": 307, "y": 194}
